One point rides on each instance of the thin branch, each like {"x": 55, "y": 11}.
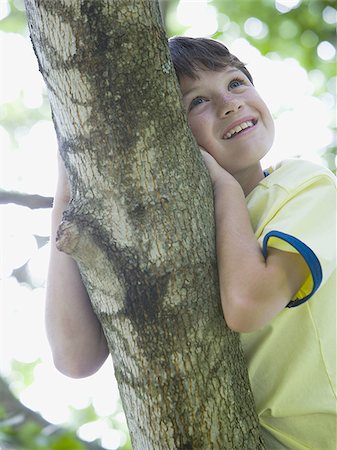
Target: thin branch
{"x": 32, "y": 201}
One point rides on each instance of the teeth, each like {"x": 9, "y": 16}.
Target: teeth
{"x": 239, "y": 128}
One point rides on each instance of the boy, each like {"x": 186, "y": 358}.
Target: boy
{"x": 275, "y": 237}
{"x": 274, "y": 250}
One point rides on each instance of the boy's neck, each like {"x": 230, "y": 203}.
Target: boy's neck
{"x": 250, "y": 178}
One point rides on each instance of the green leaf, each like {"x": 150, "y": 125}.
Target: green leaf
{"x": 24, "y": 371}
{"x": 28, "y": 433}
{"x": 67, "y": 441}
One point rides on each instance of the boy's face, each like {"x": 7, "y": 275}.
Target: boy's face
{"x": 228, "y": 118}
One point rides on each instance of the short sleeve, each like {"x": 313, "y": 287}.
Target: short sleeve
{"x": 306, "y": 223}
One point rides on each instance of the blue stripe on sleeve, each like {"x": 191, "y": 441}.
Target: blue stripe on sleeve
{"x": 308, "y": 255}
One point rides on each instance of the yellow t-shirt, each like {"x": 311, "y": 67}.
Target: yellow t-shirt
{"x": 292, "y": 360}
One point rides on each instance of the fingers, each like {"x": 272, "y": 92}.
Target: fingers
{"x": 207, "y": 157}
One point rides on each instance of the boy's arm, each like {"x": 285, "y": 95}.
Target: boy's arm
{"x": 253, "y": 289}
{"x": 77, "y": 341}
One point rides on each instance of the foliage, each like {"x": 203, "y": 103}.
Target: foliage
{"x": 16, "y": 20}
{"x": 23, "y": 429}
{"x": 23, "y": 373}
{"x": 30, "y": 436}
{"x": 13, "y": 114}
{"x": 22, "y": 433}
{"x": 294, "y": 33}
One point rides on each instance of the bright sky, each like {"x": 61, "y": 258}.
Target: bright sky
{"x": 302, "y": 124}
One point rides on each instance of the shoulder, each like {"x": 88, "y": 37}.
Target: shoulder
{"x": 293, "y": 192}
{"x": 292, "y": 178}
{"x": 295, "y": 174}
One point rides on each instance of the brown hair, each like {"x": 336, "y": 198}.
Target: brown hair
{"x": 192, "y": 54}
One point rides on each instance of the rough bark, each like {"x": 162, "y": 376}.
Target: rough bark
{"x": 141, "y": 223}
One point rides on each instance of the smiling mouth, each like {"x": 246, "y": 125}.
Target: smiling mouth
{"x": 239, "y": 128}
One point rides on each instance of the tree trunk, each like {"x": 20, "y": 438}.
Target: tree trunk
{"x": 141, "y": 223}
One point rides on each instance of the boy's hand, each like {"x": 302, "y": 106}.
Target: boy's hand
{"x": 215, "y": 170}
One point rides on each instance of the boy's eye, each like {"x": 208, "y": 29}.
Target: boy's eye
{"x": 236, "y": 83}
{"x": 196, "y": 101}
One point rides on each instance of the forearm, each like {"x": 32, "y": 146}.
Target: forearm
{"x": 246, "y": 279}
{"x": 78, "y": 345}
{"x": 253, "y": 288}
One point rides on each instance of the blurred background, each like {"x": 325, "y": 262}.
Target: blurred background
{"x": 289, "y": 47}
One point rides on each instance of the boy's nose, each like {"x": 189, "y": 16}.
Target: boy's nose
{"x": 229, "y": 104}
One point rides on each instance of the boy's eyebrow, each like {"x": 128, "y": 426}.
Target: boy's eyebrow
{"x": 190, "y": 90}
{"x": 193, "y": 88}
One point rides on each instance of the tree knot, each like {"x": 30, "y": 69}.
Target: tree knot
{"x": 67, "y": 237}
